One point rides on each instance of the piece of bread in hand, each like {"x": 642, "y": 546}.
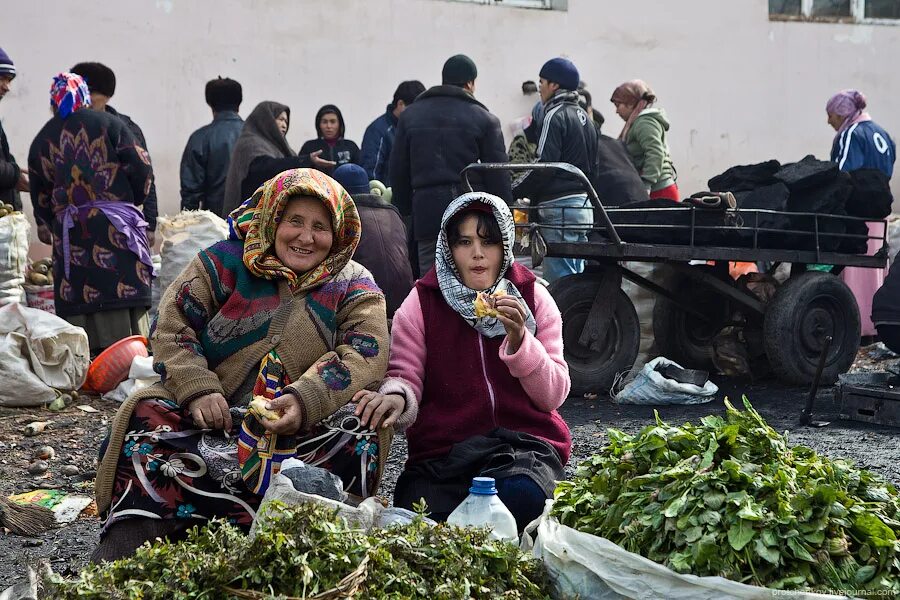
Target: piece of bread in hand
{"x": 486, "y": 304}
{"x": 258, "y": 407}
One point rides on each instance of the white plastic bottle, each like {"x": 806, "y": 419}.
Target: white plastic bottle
{"x": 483, "y": 508}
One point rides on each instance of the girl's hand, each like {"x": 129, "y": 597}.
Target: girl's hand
{"x": 511, "y": 313}
{"x": 378, "y": 410}
{"x": 291, "y": 421}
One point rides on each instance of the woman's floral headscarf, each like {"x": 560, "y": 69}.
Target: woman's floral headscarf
{"x": 256, "y": 220}
{"x": 69, "y": 93}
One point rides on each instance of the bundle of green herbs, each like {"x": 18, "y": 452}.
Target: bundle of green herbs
{"x": 307, "y": 549}
{"x": 729, "y": 497}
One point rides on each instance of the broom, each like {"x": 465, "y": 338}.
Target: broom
{"x": 25, "y": 519}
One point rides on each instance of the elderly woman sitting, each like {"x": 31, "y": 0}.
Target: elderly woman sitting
{"x": 278, "y": 311}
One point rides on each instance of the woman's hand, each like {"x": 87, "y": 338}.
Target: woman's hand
{"x": 378, "y": 410}
{"x": 44, "y": 234}
{"x": 320, "y": 163}
{"x": 291, "y": 420}
{"x": 511, "y": 313}
{"x": 211, "y": 412}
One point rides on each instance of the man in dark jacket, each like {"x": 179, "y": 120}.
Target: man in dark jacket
{"x": 382, "y": 246}
{"x": 567, "y": 135}
{"x": 442, "y": 132}
{"x": 101, "y": 81}
{"x": 331, "y": 149}
{"x": 12, "y": 178}
{"x": 379, "y": 137}
{"x": 204, "y": 163}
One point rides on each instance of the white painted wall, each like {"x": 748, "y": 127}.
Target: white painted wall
{"x": 738, "y": 88}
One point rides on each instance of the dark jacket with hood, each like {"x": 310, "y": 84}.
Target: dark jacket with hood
{"x": 567, "y": 135}
{"x": 377, "y": 144}
{"x": 204, "y": 164}
{"x": 151, "y": 210}
{"x": 9, "y": 174}
{"x": 442, "y": 132}
{"x": 382, "y": 248}
{"x": 342, "y": 152}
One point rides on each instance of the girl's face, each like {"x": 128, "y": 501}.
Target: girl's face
{"x": 304, "y": 236}
{"x": 477, "y": 260}
{"x": 624, "y": 110}
{"x": 330, "y": 126}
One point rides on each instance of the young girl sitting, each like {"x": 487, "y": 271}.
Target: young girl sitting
{"x": 477, "y": 395}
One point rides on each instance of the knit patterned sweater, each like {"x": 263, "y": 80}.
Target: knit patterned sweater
{"x": 217, "y": 321}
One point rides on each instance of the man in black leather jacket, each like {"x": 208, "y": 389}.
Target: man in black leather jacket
{"x": 204, "y": 163}
{"x": 567, "y": 135}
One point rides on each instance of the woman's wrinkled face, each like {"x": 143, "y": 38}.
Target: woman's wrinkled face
{"x": 624, "y": 110}
{"x": 330, "y": 126}
{"x": 282, "y": 122}
{"x": 477, "y": 260}
{"x": 304, "y": 235}
{"x": 835, "y": 121}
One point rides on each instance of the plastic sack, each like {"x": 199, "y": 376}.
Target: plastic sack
{"x": 13, "y": 257}
{"x": 140, "y": 375}
{"x": 587, "y": 566}
{"x": 370, "y": 512}
{"x": 39, "y": 352}
{"x": 650, "y": 387}
{"x": 184, "y": 235}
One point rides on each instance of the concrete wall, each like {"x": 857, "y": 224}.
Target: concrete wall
{"x": 738, "y": 88}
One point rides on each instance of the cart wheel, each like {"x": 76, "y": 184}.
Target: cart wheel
{"x": 595, "y": 371}
{"x": 680, "y": 336}
{"x": 807, "y": 308}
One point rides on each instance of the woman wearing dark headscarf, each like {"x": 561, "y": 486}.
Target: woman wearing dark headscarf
{"x": 88, "y": 177}
{"x": 330, "y": 149}
{"x": 279, "y": 311}
{"x": 644, "y": 136}
{"x": 478, "y": 392}
{"x": 261, "y": 152}
{"x": 860, "y": 143}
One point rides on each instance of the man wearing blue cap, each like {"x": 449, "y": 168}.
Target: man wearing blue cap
{"x": 567, "y": 135}
{"x": 13, "y": 179}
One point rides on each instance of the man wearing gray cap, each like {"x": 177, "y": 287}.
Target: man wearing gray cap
{"x": 437, "y": 136}
{"x": 13, "y": 179}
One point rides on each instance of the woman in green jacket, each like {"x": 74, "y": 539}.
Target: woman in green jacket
{"x": 644, "y": 136}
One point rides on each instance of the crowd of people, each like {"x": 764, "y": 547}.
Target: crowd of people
{"x": 294, "y": 306}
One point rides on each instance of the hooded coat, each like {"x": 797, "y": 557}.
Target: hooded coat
{"x": 342, "y": 152}
{"x": 647, "y": 147}
{"x": 260, "y": 141}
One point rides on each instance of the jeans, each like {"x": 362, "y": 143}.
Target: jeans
{"x": 552, "y": 213}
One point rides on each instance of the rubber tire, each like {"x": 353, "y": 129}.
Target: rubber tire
{"x": 804, "y": 309}
{"x": 680, "y": 336}
{"x": 591, "y": 371}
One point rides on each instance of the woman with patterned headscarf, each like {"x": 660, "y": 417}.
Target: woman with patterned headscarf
{"x": 860, "y": 143}
{"x": 477, "y": 371}
{"x": 280, "y": 315}
{"x": 89, "y": 177}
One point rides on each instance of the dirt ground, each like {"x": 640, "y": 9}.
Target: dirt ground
{"x": 76, "y": 435}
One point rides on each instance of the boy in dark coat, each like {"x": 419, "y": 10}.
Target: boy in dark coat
{"x": 379, "y": 137}
{"x": 442, "y": 132}
{"x": 204, "y": 164}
